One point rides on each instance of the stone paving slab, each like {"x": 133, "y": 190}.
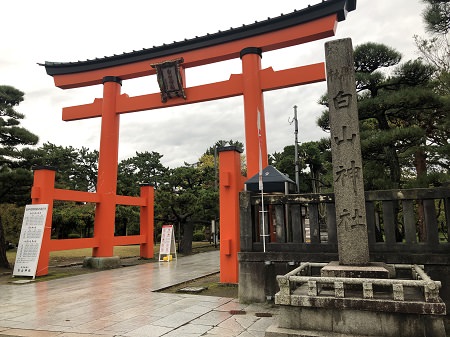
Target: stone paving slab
{"x": 124, "y": 303}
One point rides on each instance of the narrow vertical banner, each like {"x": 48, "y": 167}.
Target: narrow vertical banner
{"x": 260, "y": 181}
{"x": 30, "y": 241}
{"x": 261, "y": 186}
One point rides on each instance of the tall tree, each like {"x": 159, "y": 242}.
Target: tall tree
{"x": 143, "y": 168}
{"x": 12, "y": 216}
{"x": 188, "y": 198}
{"x": 76, "y": 169}
{"x": 437, "y": 16}
{"x": 392, "y": 111}
{"x": 212, "y": 157}
{"x": 15, "y": 180}
{"x": 435, "y": 51}
{"x": 222, "y": 143}
{"x": 317, "y": 156}
{"x": 436, "y": 48}
{"x": 4, "y": 263}
{"x": 313, "y": 157}
{"x": 370, "y": 81}
{"x": 424, "y": 113}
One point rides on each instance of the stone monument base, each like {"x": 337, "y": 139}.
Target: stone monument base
{"x": 102, "y": 262}
{"x": 371, "y": 270}
{"x": 328, "y": 306}
{"x": 323, "y": 322}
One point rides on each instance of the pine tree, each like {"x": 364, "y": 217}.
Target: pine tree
{"x": 15, "y": 177}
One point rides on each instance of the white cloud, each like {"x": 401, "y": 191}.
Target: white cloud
{"x": 49, "y": 30}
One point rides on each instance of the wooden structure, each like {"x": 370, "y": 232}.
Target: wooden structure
{"x": 248, "y": 43}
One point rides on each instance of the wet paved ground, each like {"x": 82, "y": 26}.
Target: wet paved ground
{"x": 123, "y": 302}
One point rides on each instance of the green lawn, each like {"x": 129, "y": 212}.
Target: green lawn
{"x": 122, "y": 251}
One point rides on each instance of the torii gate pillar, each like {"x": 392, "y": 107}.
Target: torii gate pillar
{"x": 105, "y": 211}
{"x": 255, "y": 128}
{"x": 231, "y": 180}
{"x": 231, "y": 183}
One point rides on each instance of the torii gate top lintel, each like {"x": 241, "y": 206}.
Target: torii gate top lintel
{"x": 301, "y": 26}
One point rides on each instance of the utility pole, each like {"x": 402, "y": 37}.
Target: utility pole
{"x": 297, "y": 164}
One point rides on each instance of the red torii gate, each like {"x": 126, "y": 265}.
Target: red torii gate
{"x": 248, "y": 43}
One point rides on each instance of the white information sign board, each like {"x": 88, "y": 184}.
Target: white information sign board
{"x": 167, "y": 246}
{"x": 30, "y": 241}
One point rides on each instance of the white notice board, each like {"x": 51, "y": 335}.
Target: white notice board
{"x": 30, "y": 241}
{"x": 167, "y": 246}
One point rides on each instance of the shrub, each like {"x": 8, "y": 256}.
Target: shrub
{"x": 199, "y": 236}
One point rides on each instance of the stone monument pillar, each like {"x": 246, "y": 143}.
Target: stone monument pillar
{"x": 353, "y": 243}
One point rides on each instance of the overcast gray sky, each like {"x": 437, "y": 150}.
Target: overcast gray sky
{"x": 55, "y": 30}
